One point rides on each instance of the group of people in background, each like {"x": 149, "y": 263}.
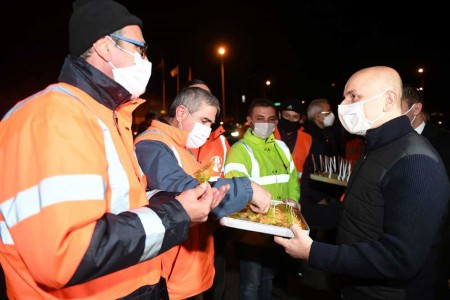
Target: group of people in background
{"x": 89, "y": 211}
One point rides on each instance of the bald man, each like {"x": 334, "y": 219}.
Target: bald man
{"x": 395, "y": 203}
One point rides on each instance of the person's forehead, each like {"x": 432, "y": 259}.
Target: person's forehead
{"x": 325, "y": 106}
{"x": 264, "y": 111}
{"x": 206, "y": 110}
{"x": 363, "y": 83}
{"x": 290, "y": 113}
{"x": 202, "y": 86}
{"x": 133, "y": 32}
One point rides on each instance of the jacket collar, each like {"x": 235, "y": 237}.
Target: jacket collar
{"x": 388, "y": 132}
{"x": 250, "y": 137}
{"x": 79, "y": 73}
{"x": 178, "y": 135}
{"x": 216, "y": 133}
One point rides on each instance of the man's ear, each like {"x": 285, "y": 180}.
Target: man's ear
{"x": 103, "y": 48}
{"x": 391, "y": 100}
{"x": 180, "y": 111}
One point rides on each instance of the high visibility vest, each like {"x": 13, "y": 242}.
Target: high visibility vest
{"x": 269, "y": 163}
{"x": 189, "y": 267}
{"x": 63, "y": 165}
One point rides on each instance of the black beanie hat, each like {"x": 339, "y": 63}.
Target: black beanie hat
{"x": 93, "y": 19}
{"x": 292, "y": 104}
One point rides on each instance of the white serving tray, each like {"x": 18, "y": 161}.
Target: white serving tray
{"x": 263, "y": 228}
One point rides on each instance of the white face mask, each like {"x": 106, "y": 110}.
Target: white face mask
{"x": 135, "y": 77}
{"x": 412, "y": 121}
{"x": 263, "y": 130}
{"x": 198, "y": 135}
{"x": 353, "y": 119}
{"x": 328, "y": 120}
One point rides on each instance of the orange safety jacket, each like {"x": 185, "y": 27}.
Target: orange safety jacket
{"x": 73, "y": 217}
{"x": 189, "y": 267}
{"x": 301, "y": 149}
{"x": 215, "y": 149}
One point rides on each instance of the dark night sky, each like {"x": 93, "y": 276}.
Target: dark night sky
{"x": 301, "y": 46}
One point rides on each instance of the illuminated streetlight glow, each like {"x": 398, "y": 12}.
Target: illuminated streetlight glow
{"x": 222, "y": 51}
{"x": 421, "y": 71}
{"x": 268, "y": 82}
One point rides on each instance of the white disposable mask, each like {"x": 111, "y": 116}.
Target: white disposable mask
{"x": 135, "y": 77}
{"x": 353, "y": 119}
{"x": 412, "y": 121}
{"x": 328, "y": 120}
{"x": 198, "y": 135}
{"x": 263, "y": 130}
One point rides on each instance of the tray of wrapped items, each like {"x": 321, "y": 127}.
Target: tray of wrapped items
{"x": 325, "y": 177}
{"x": 276, "y": 221}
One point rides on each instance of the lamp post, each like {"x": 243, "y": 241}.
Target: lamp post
{"x": 221, "y": 51}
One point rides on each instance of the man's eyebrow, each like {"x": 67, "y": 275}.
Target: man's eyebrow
{"x": 207, "y": 119}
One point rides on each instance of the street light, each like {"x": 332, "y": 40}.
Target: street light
{"x": 221, "y": 51}
{"x": 267, "y": 84}
{"x": 422, "y": 83}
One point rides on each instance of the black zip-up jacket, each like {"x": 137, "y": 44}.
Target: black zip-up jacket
{"x": 391, "y": 218}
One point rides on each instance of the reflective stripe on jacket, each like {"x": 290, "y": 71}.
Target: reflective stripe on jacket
{"x": 268, "y": 162}
{"x": 72, "y": 200}
{"x": 189, "y": 267}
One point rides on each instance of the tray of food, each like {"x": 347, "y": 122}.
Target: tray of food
{"x": 276, "y": 221}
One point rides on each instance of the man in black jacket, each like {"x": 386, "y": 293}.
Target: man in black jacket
{"x": 413, "y": 107}
{"x": 395, "y": 203}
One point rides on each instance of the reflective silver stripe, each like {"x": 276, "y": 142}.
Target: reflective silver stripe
{"x": 5, "y": 236}
{"x": 256, "y": 177}
{"x": 154, "y": 231}
{"x": 23, "y": 102}
{"x": 299, "y": 175}
{"x": 255, "y": 165}
{"x": 29, "y": 202}
{"x": 214, "y": 178}
{"x": 141, "y": 173}
{"x": 152, "y": 193}
{"x": 236, "y": 167}
{"x": 287, "y": 154}
{"x": 271, "y": 179}
{"x": 118, "y": 178}
{"x": 175, "y": 152}
{"x": 224, "y": 147}
{"x": 177, "y": 155}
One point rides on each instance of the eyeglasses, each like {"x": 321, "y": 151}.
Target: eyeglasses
{"x": 142, "y": 46}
